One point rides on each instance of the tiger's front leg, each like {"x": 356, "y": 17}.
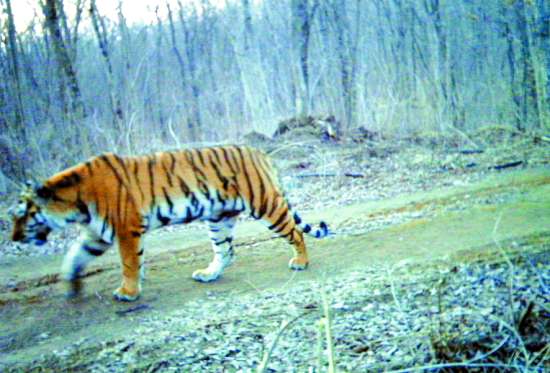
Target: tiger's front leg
{"x": 79, "y": 255}
{"x": 130, "y": 257}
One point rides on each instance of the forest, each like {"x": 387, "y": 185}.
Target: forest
{"x": 73, "y": 86}
{"x": 412, "y": 136}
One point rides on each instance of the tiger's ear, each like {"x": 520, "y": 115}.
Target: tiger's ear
{"x": 28, "y": 189}
{"x": 29, "y": 185}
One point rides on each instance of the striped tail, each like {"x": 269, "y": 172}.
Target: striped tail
{"x": 320, "y": 232}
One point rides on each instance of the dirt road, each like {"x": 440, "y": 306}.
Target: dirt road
{"x": 36, "y": 319}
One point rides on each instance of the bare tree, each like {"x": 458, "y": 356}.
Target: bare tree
{"x": 100, "y": 31}
{"x": 62, "y": 57}
{"x": 302, "y": 17}
{"x": 14, "y": 67}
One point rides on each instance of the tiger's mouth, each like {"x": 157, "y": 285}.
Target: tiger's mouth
{"x": 39, "y": 239}
{"x": 42, "y": 237}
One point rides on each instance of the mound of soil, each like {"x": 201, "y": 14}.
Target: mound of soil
{"x": 326, "y": 128}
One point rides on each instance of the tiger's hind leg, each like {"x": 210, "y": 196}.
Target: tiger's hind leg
{"x": 221, "y": 234}
{"x": 130, "y": 255}
{"x": 282, "y": 222}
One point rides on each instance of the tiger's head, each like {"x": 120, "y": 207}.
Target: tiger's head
{"x": 30, "y": 224}
{"x": 42, "y": 208}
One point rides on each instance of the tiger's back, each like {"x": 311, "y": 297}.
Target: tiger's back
{"x": 119, "y": 199}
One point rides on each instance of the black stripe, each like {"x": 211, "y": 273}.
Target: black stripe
{"x": 92, "y": 250}
{"x": 226, "y": 157}
{"x": 183, "y": 186}
{"x": 221, "y": 199}
{"x": 220, "y": 242}
{"x": 279, "y": 220}
{"x": 235, "y": 157}
{"x": 68, "y": 181}
{"x": 168, "y": 174}
{"x": 273, "y": 206}
{"x": 126, "y": 202}
{"x": 215, "y": 151}
{"x": 140, "y": 253}
{"x": 297, "y": 219}
{"x": 119, "y": 203}
{"x": 136, "y": 176}
{"x": 194, "y": 200}
{"x": 83, "y": 208}
{"x": 199, "y": 175}
{"x": 203, "y": 187}
{"x": 200, "y": 212}
{"x": 216, "y": 220}
{"x": 88, "y": 165}
{"x": 268, "y": 170}
{"x": 163, "y": 219}
{"x": 201, "y": 158}
{"x": 188, "y": 216}
{"x": 105, "y": 159}
{"x": 290, "y": 233}
{"x": 263, "y": 208}
{"x": 104, "y": 225}
{"x": 282, "y": 227}
{"x": 222, "y": 178}
{"x": 172, "y": 162}
{"x": 168, "y": 200}
{"x": 324, "y": 227}
{"x": 123, "y": 166}
{"x": 150, "y": 163}
{"x": 307, "y": 228}
{"x": 268, "y": 179}
{"x": 247, "y": 178}
{"x": 254, "y": 166}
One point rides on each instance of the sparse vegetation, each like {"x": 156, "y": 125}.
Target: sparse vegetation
{"x": 418, "y": 129}
{"x": 433, "y": 266}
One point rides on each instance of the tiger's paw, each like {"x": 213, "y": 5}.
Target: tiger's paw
{"x": 204, "y": 275}
{"x": 298, "y": 264}
{"x": 123, "y": 295}
{"x": 74, "y": 288}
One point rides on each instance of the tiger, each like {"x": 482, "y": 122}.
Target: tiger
{"x": 117, "y": 200}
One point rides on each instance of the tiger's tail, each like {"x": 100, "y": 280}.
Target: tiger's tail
{"x": 320, "y": 232}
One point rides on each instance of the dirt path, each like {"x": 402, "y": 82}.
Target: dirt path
{"x": 36, "y": 319}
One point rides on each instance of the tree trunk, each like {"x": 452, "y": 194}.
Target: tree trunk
{"x": 181, "y": 64}
{"x": 302, "y": 14}
{"x": 101, "y": 35}
{"x": 511, "y": 58}
{"x": 194, "y": 121}
{"x": 64, "y": 63}
{"x": 447, "y": 75}
{"x": 247, "y": 24}
{"x": 531, "y": 96}
{"x": 15, "y": 67}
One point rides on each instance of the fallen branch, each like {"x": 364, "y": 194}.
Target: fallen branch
{"x": 267, "y": 355}
{"x": 139, "y": 307}
{"x": 471, "y": 151}
{"x": 332, "y": 174}
{"x": 507, "y": 165}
